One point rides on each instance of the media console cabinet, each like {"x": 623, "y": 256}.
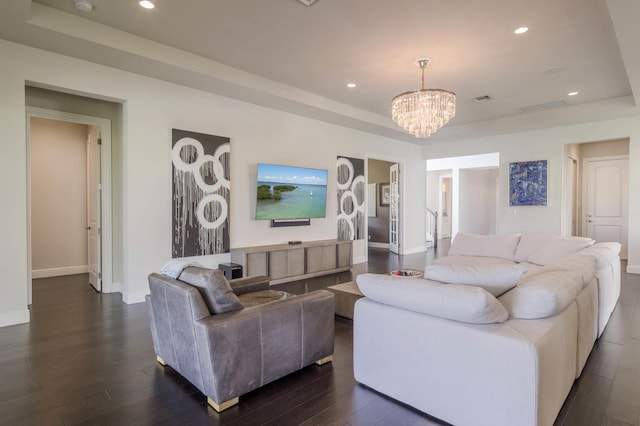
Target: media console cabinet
{"x": 290, "y": 262}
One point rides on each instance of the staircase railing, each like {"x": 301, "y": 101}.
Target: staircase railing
{"x": 433, "y": 214}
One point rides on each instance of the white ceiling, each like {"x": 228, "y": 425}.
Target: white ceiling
{"x": 283, "y": 54}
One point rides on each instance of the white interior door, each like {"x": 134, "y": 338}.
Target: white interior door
{"x": 394, "y": 209}
{"x": 94, "y": 197}
{"x": 606, "y": 193}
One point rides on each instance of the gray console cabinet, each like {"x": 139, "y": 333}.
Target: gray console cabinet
{"x": 289, "y": 262}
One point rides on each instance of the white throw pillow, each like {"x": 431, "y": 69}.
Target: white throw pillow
{"x": 456, "y": 302}
{"x": 503, "y": 246}
{"x": 472, "y": 261}
{"x": 529, "y": 243}
{"x": 496, "y": 279}
{"x": 603, "y": 252}
{"x": 557, "y": 248}
{"x": 544, "y": 293}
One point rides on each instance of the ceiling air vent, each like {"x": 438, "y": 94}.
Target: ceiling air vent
{"x": 543, "y": 107}
{"x": 307, "y": 2}
{"x": 483, "y": 98}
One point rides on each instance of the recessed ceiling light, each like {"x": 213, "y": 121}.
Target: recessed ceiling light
{"x": 555, "y": 69}
{"x": 351, "y": 85}
{"x": 147, "y": 4}
{"x": 572, "y": 93}
{"x": 521, "y": 30}
{"x": 84, "y": 5}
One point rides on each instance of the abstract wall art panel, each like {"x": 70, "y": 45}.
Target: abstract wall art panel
{"x": 200, "y": 199}
{"x": 528, "y": 183}
{"x": 351, "y": 198}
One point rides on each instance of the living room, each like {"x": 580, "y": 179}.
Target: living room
{"x": 47, "y": 47}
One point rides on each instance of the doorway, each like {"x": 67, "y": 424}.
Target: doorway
{"x": 596, "y": 191}
{"x": 384, "y": 201}
{"x": 96, "y": 171}
{"x": 463, "y": 191}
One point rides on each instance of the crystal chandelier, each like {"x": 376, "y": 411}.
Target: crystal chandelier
{"x": 423, "y": 111}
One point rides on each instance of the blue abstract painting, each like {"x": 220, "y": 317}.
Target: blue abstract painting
{"x": 528, "y": 183}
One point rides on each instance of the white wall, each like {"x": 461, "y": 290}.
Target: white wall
{"x": 477, "y": 201}
{"x": 549, "y": 144}
{"x": 151, "y": 108}
{"x": 58, "y": 154}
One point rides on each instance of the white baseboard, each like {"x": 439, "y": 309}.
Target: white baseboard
{"x": 633, "y": 269}
{"x": 136, "y": 297}
{"x": 58, "y": 272}
{"x": 113, "y": 288}
{"x": 415, "y": 250}
{"x": 359, "y": 259}
{"x": 14, "y": 317}
{"x": 379, "y": 245}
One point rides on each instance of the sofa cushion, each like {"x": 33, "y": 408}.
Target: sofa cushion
{"x": 503, "y": 246}
{"x": 214, "y": 288}
{"x": 543, "y": 293}
{"x": 554, "y": 249}
{"x": 603, "y": 252}
{"x": 451, "y": 301}
{"x": 471, "y": 260}
{"x": 496, "y": 279}
{"x": 255, "y": 298}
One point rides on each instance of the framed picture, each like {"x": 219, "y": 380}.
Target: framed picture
{"x": 528, "y": 183}
{"x": 385, "y": 194}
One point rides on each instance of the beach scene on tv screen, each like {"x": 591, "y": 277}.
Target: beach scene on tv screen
{"x": 286, "y": 192}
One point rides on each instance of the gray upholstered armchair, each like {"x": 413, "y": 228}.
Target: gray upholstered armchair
{"x": 230, "y": 338}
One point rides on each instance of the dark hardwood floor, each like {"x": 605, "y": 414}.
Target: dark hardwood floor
{"x": 87, "y": 358}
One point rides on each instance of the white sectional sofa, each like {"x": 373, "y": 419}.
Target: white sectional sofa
{"x": 495, "y": 334}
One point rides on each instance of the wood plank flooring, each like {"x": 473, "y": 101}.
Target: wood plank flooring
{"x": 87, "y": 358}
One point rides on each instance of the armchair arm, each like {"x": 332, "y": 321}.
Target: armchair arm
{"x": 242, "y": 350}
{"x": 249, "y": 284}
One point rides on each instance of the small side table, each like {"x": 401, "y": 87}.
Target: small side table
{"x": 231, "y": 270}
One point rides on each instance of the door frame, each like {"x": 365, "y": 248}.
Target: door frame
{"x": 106, "y": 194}
{"x": 442, "y": 206}
{"x": 402, "y": 184}
{"x": 584, "y": 191}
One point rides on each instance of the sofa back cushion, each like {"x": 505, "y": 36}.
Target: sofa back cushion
{"x": 503, "y": 246}
{"x": 544, "y": 249}
{"x": 496, "y": 279}
{"x": 543, "y": 293}
{"x": 214, "y": 288}
{"x": 451, "y": 301}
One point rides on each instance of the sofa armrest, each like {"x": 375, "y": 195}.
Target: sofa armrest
{"x": 249, "y": 284}
{"x": 242, "y": 350}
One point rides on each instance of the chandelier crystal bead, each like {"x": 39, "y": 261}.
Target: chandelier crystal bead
{"x": 423, "y": 111}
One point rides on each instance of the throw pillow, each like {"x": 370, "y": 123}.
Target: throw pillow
{"x": 543, "y": 294}
{"x": 503, "y": 246}
{"x": 496, "y": 279}
{"x": 557, "y": 248}
{"x": 214, "y": 288}
{"x": 451, "y": 301}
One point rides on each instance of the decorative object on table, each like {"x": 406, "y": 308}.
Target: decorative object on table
{"x": 528, "y": 183}
{"x": 413, "y": 273}
{"x": 200, "y": 201}
{"x": 422, "y": 112}
{"x": 351, "y": 198}
{"x": 385, "y": 194}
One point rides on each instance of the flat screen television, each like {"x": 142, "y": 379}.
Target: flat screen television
{"x": 287, "y": 192}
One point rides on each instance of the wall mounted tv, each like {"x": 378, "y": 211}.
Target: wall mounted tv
{"x": 286, "y": 192}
